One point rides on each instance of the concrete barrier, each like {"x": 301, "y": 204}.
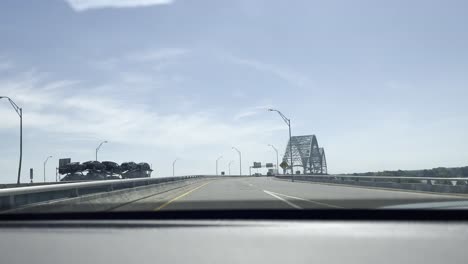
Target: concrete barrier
{"x": 439, "y": 185}
{"x": 106, "y": 201}
{"x": 16, "y": 197}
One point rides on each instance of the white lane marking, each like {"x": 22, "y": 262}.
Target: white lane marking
{"x": 284, "y": 200}
{"x": 302, "y": 199}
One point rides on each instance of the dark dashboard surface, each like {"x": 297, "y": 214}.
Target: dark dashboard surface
{"x": 209, "y": 238}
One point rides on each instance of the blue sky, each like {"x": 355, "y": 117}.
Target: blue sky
{"x": 383, "y": 84}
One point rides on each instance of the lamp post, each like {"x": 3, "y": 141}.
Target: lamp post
{"x": 19, "y": 111}
{"x": 45, "y": 162}
{"x": 288, "y": 122}
{"x": 173, "y": 167}
{"x": 240, "y": 160}
{"x": 97, "y": 149}
{"x": 276, "y": 150}
{"x": 220, "y": 157}
{"x": 229, "y": 167}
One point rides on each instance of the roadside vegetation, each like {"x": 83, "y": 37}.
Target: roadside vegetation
{"x": 435, "y": 172}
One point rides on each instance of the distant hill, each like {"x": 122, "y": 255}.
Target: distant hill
{"x": 435, "y": 172}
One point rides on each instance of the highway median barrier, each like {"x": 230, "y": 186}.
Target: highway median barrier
{"x": 12, "y": 198}
{"x": 424, "y": 184}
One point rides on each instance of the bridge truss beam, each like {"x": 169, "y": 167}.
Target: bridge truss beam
{"x": 307, "y": 154}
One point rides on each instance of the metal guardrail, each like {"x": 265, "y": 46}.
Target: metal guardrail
{"x": 390, "y": 177}
{"x": 14, "y": 197}
{"x": 428, "y": 180}
{"x": 431, "y": 184}
{"x": 398, "y": 179}
{"x": 22, "y": 185}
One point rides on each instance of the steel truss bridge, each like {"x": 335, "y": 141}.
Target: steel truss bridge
{"x": 306, "y": 154}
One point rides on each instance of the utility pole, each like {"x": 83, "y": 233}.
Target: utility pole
{"x": 19, "y": 111}
{"x": 220, "y": 157}
{"x": 277, "y": 159}
{"x": 229, "y": 167}
{"x": 45, "y": 163}
{"x": 173, "y": 167}
{"x": 240, "y": 160}
{"x": 97, "y": 149}
{"x": 288, "y": 122}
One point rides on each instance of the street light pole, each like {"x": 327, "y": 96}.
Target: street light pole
{"x": 277, "y": 160}
{"x": 45, "y": 162}
{"x": 173, "y": 167}
{"x": 217, "y": 164}
{"x": 240, "y": 160}
{"x": 19, "y": 111}
{"x": 229, "y": 167}
{"x": 97, "y": 149}
{"x": 288, "y": 122}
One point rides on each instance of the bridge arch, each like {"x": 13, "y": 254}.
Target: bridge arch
{"x": 306, "y": 154}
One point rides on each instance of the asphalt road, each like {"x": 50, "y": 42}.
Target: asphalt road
{"x": 269, "y": 193}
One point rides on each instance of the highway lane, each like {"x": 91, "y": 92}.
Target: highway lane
{"x": 269, "y": 192}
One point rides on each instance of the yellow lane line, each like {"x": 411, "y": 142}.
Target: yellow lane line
{"x": 180, "y": 196}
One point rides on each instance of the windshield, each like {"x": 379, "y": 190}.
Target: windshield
{"x": 175, "y": 104}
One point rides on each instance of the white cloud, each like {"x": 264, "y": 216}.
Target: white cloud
{"x": 9, "y": 117}
{"x": 83, "y": 5}
{"x": 159, "y": 58}
{"x": 73, "y": 115}
{"x": 144, "y": 71}
{"x": 290, "y": 76}
{"x": 156, "y": 55}
{"x": 5, "y": 65}
{"x": 252, "y": 111}
{"x": 65, "y": 107}
{"x": 136, "y": 78}
{"x": 244, "y": 114}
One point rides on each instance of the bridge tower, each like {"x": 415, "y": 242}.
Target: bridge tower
{"x": 307, "y": 154}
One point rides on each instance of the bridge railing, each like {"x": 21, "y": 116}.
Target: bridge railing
{"x": 20, "y": 196}
{"x": 401, "y": 179}
{"x": 432, "y": 184}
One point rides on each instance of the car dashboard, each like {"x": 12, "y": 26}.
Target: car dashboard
{"x": 217, "y": 239}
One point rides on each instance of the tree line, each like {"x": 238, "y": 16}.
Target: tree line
{"x": 435, "y": 172}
